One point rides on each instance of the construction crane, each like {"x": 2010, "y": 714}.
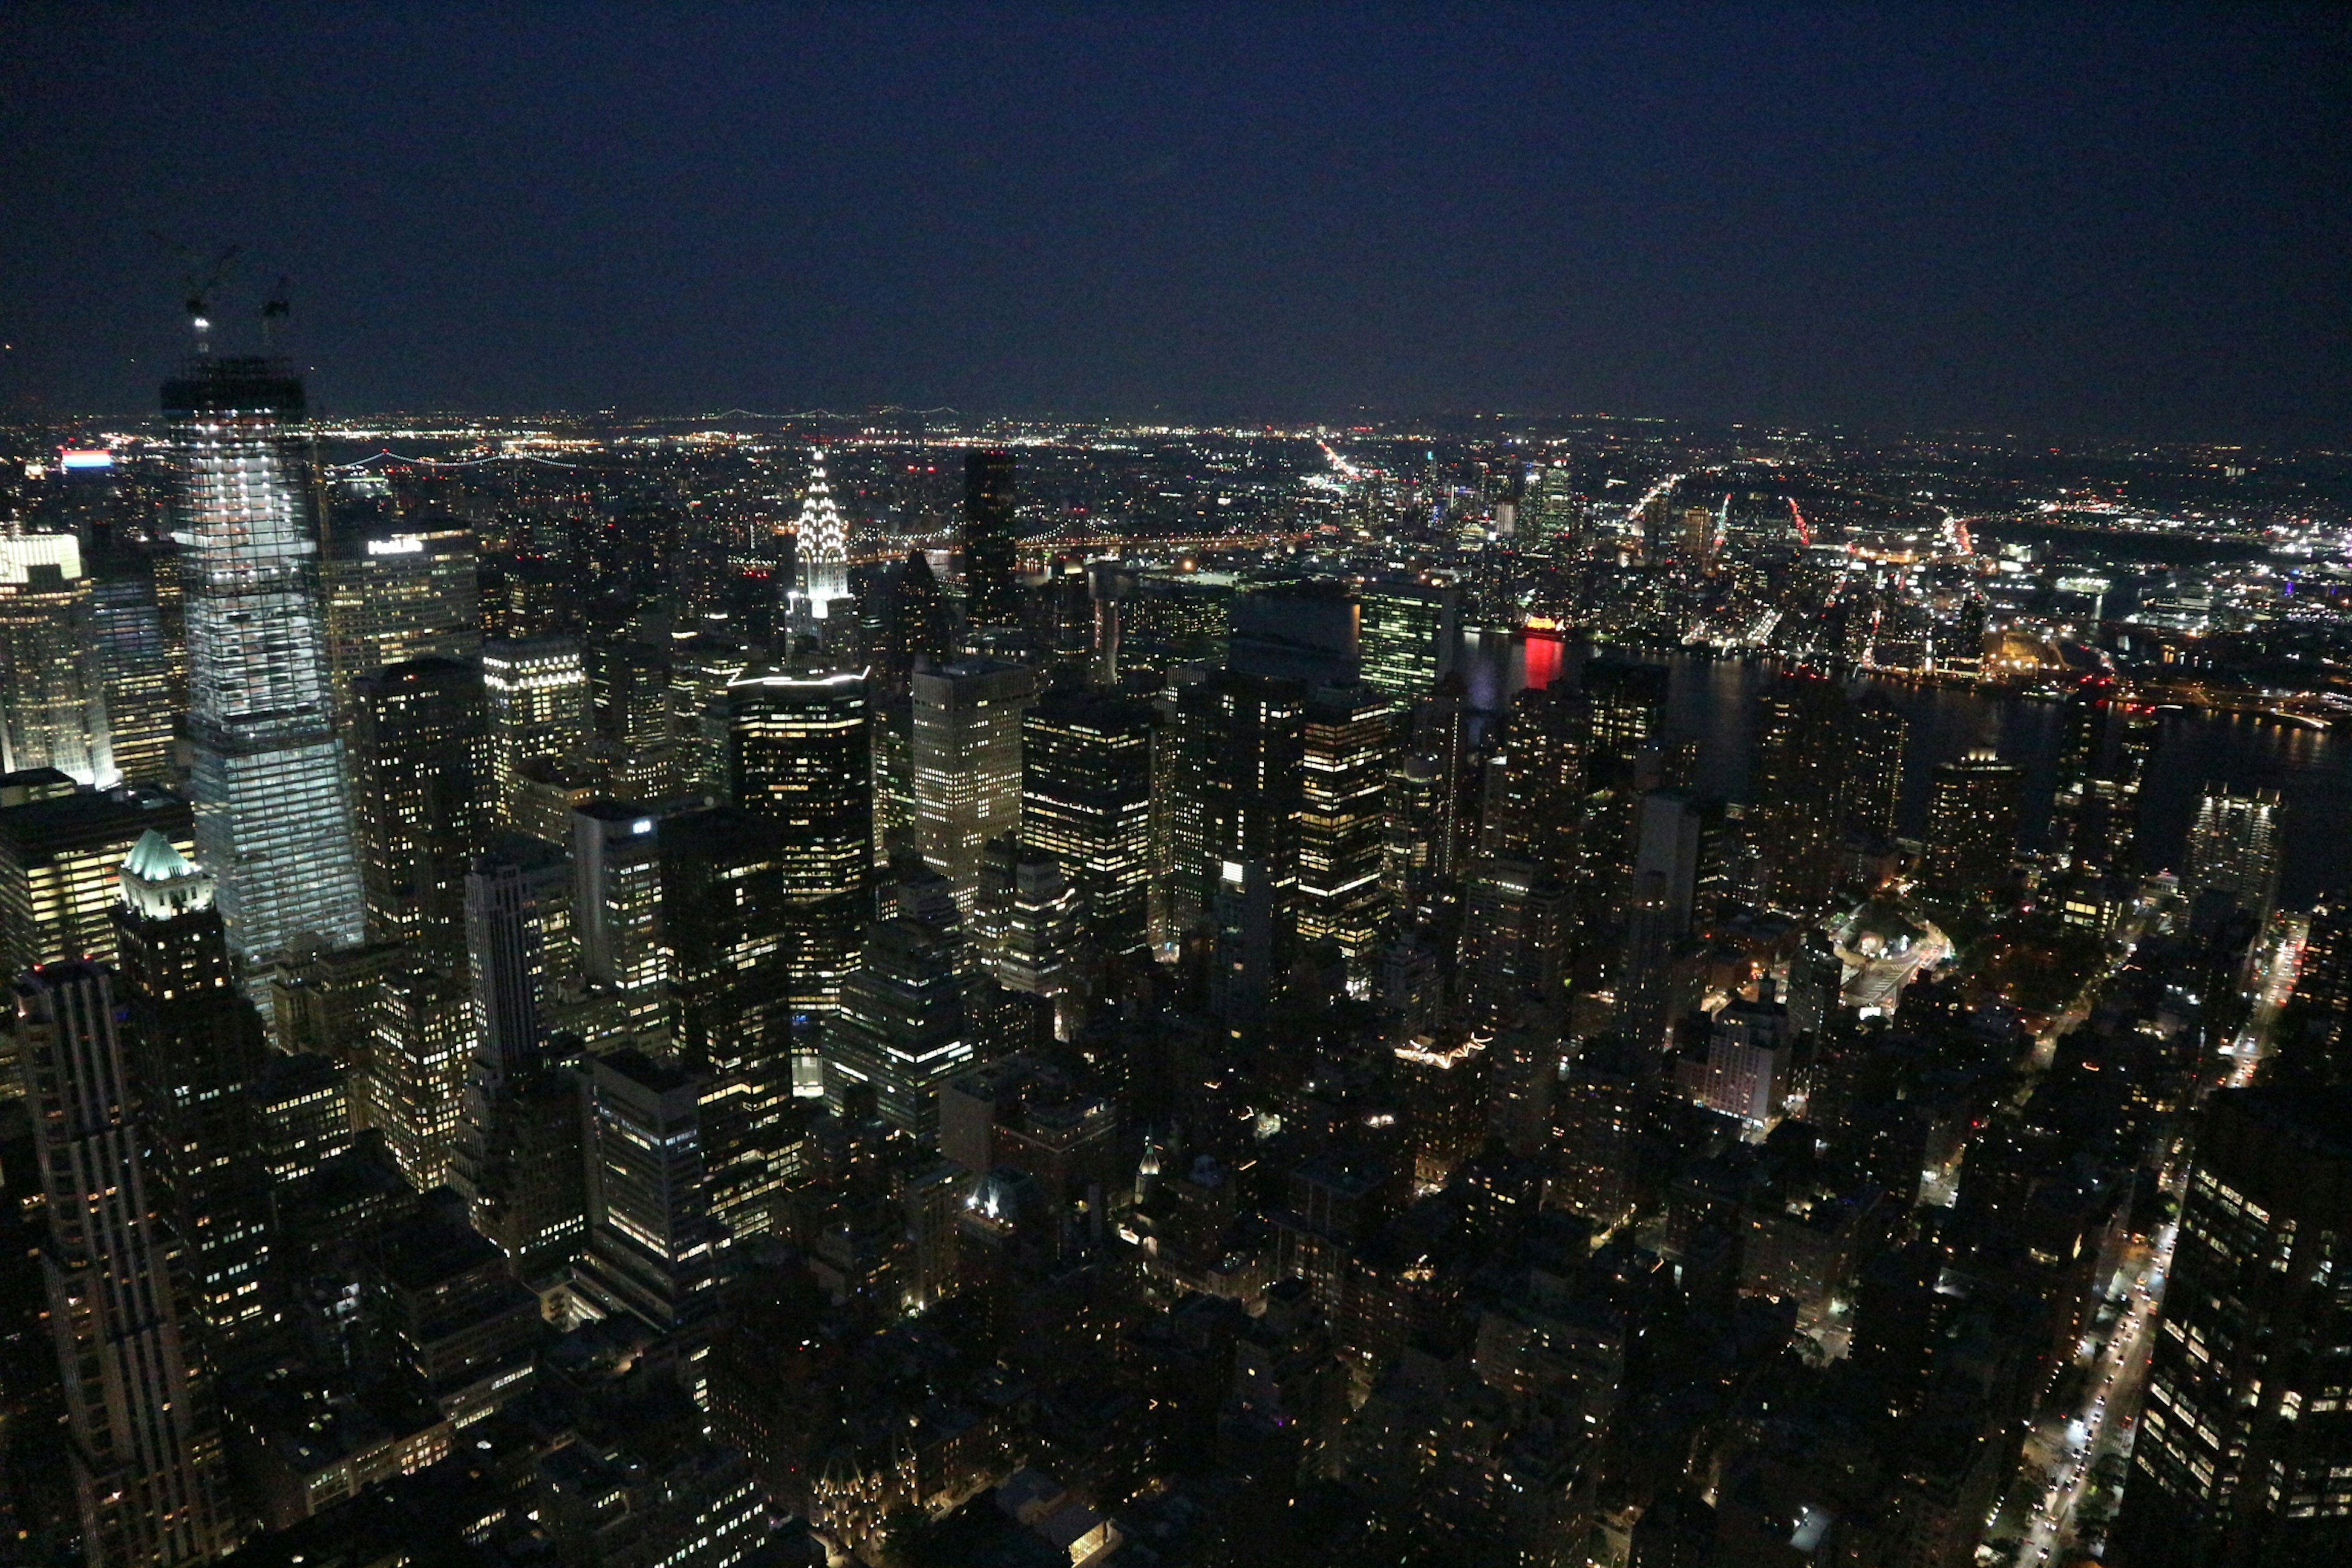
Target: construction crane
{"x": 196, "y": 286}
{"x": 277, "y": 308}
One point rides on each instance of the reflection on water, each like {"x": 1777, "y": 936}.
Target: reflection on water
{"x": 1714, "y": 702}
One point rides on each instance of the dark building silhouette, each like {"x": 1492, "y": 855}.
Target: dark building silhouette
{"x": 992, "y": 590}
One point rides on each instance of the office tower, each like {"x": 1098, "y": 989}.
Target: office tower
{"x": 1347, "y": 743}
{"x": 2241, "y": 1452}
{"x": 536, "y": 691}
{"x": 273, "y": 809}
{"x": 1440, "y": 734}
{"x": 900, "y": 1031}
{"x": 144, "y": 697}
{"x": 1513, "y": 947}
{"x": 2104, "y": 753}
{"x": 59, "y": 857}
{"x": 617, "y": 910}
{"x": 420, "y": 761}
{"x": 413, "y": 1089}
{"x": 967, "y": 757}
{"x": 1305, "y": 632}
{"x": 821, "y": 548}
{"x": 1698, "y": 534}
{"x": 140, "y": 1434}
{"x": 630, "y": 681}
{"x": 506, "y": 955}
{"x": 1236, "y": 770}
{"x": 1085, "y": 799}
{"x": 1972, "y": 811}
{"x": 801, "y": 756}
{"x": 52, "y": 682}
{"x": 1414, "y": 823}
{"x": 1555, "y": 524}
{"x": 651, "y": 1243}
{"x": 323, "y": 1004}
{"x": 701, "y": 669}
{"x": 1627, "y": 704}
{"x": 1535, "y": 782}
{"x": 1027, "y": 926}
{"x": 732, "y": 934}
{"x": 1803, "y": 748}
{"x": 1407, "y": 632}
{"x": 195, "y": 1052}
{"x": 301, "y": 1116}
{"x": 992, "y": 589}
{"x": 2235, "y": 848}
{"x": 395, "y": 599}
{"x": 1874, "y": 771}
{"x": 918, "y": 628}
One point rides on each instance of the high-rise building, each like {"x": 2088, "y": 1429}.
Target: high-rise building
{"x": 515, "y": 891}
{"x": 1972, "y": 811}
{"x": 145, "y": 676}
{"x": 992, "y": 589}
{"x": 1875, "y": 772}
{"x": 1306, "y": 631}
{"x": 967, "y": 757}
{"x": 413, "y": 1091}
{"x": 900, "y": 1032}
{"x": 1535, "y": 782}
{"x": 1347, "y": 743}
{"x": 140, "y": 1433}
{"x": 617, "y": 910}
{"x": 918, "y": 627}
{"x": 1408, "y": 631}
{"x": 803, "y": 756}
{"x": 420, "y": 797}
{"x": 272, "y": 805}
{"x": 2240, "y": 1454}
{"x": 1513, "y": 951}
{"x": 1804, "y": 751}
{"x": 1027, "y": 926}
{"x": 701, "y": 669}
{"x": 536, "y": 691}
{"x": 197, "y": 1052}
{"x": 651, "y": 1243}
{"x": 821, "y": 548}
{"x": 52, "y": 682}
{"x": 59, "y": 857}
{"x": 1085, "y": 799}
{"x": 399, "y": 597}
{"x": 1678, "y": 850}
{"x": 2235, "y": 848}
{"x": 2104, "y": 752}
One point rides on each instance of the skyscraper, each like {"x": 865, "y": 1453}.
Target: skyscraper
{"x": 1803, "y": 753}
{"x": 967, "y": 756}
{"x": 1972, "y": 811}
{"x": 419, "y": 767}
{"x": 392, "y": 599}
{"x": 59, "y": 857}
{"x": 2241, "y": 1453}
{"x": 802, "y": 755}
{"x": 195, "y": 1053}
{"x": 992, "y": 592}
{"x": 1085, "y": 799}
{"x": 821, "y": 553}
{"x": 901, "y": 1031}
{"x": 52, "y": 684}
{"x": 1406, "y": 631}
{"x": 140, "y": 1433}
{"x": 2103, "y": 757}
{"x": 1875, "y": 776}
{"x": 414, "y": 1086}
{"x": 616, "y": 910}
{"x": 145, "y": 693}
{"x": 651, "y": 1243}
{"x": 1347, "y": 743}
{"x": 273, "y": 810}
{"x": 536, "y": 691}
{"x": 2233, "y": 848}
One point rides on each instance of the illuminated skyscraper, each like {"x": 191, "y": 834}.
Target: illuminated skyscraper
{"x": 1348, "y": 740}
{"x": 1085, "y": 799}
{"x": 419, "y": 757}
{"x": 145, "y": 683}
{"x": 900, "y": 1032}
{"x": 197, "y": 1052}
{"x": 802, "y": 755}
{"x": 1972, "y": 811}
{"x": 273, "y": 811}
{"x": 392, "y": 599}
{"x": 1875, "y": 774}
{"x": 992, "y": 592}
{"x": 616, "y": 909}
{"x": 52, "y": 685}
{"x": 967, "y": 757}
{"x": 414, "y": 1086}
{"x": 140, "y": 1433}
{"x": 2233, "y": 847}
{"x": 2103, "y": 758}
{"x": 1406, "y": 628}
{"x": 536, "y": 690}
{"x": 821, "y": 556}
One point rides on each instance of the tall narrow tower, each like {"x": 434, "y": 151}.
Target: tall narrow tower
{"x": 273, "y": 809}
{"x": 140, "y": 1432}
{"x": 823, "y": 553}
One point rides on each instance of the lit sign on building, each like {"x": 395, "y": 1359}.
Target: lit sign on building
{"x": 73, "y": 457}
{"x": 400, "y": 544}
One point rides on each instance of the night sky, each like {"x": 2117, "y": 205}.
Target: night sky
{"x": 2119, "y": 221}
